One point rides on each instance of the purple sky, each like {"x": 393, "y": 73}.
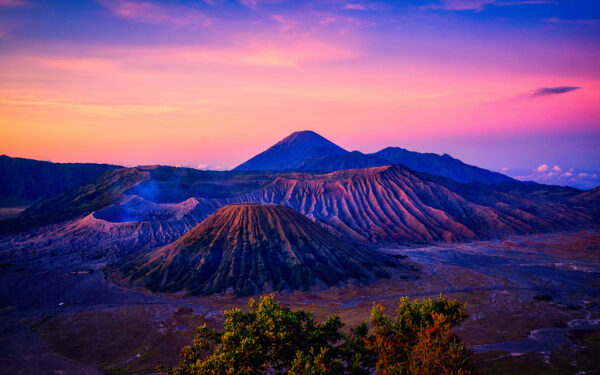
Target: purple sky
{"x": 509, "y": 85}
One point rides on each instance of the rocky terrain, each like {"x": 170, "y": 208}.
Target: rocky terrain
{"x": 395, "y": 204}
{"x": 59, "y": 314}
{"x": 145, "y": 208}
{"x": 247, "y": 249}
{"x": 112, "y": 275}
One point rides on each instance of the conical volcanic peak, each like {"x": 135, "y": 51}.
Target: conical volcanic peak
{"x": 246, "y": 249}
{"x": 291, "y": 152}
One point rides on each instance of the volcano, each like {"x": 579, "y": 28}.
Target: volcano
{"x": 291, "y": 152}
{"x": 246, "y": 249}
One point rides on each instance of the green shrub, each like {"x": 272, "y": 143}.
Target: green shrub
{"x": 271, "y": 338}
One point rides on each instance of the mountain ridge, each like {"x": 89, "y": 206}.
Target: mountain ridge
{"x": 441, "y": 165}
{"x": 398, "y": 205}
{"x": 300, "y": 152}
{"x": 26, "y": 181}
{"x": 390, "y": 204}
{"x": 246, "y": 249}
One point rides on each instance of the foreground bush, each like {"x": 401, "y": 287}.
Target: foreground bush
{"x": 271, "y": 338}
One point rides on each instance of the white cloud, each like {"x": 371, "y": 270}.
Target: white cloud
{"x": 555, "y": 175}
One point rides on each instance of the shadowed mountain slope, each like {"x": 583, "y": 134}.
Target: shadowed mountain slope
{"x": 253, "y": 248}
{"x": 444, "y": 165}
{"x": 350, "y": 160}
{"x": 291, "y": 152}
{"x": 25, "y": 181}
{"x": 533, "y": 190}
{"x": 80, "y": 200}
{"x": 589, "y": 199}
{"x": 174, "y": 184}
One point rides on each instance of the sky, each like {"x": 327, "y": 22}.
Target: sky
{"x": 508, "y": 85}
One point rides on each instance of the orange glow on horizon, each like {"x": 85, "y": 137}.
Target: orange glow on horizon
{"x": 147, "y": 105}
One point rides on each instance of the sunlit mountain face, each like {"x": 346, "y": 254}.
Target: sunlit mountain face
{"x": 504, "y": 85}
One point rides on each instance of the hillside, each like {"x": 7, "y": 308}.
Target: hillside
{"x": 77, "y": 201}
{"x": 395, "y": 204}
{"x": 441, "y": 165}
{"x": 148, "y": 207}
{"x": 350, "y": 160}
{"x": 25, "y": 181}
{"x": 253, "y": 248}
{"x": 589, "y": 199}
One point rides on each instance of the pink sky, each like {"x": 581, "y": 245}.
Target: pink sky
{"x": 217, "y": 102}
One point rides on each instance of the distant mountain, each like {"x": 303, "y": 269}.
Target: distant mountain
{"x": 250, "y": 249}
{"x": 533, "y": 190}
{"x": 349, "y": 160}
{"x": 308, "y": 151}
{"x": 25, "y": 181}
{"x": 444, "y": 165}
{"x": 390, "y": 204}
{"x": 291, "y": 152}
{"x": 393, "y": 204}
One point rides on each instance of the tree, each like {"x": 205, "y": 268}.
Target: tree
{"x": 419, "y": 340}
{"x": 271, "y": 338}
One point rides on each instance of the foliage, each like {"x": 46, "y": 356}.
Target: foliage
{"x": 419, "y": 340}
{"x": 271, "y": 338}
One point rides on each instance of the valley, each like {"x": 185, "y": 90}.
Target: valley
{"x": 62, "y": 313}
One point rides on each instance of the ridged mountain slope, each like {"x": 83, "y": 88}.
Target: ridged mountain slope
{"x": 395, "y": 204}
{"x": 253, "y": 248}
